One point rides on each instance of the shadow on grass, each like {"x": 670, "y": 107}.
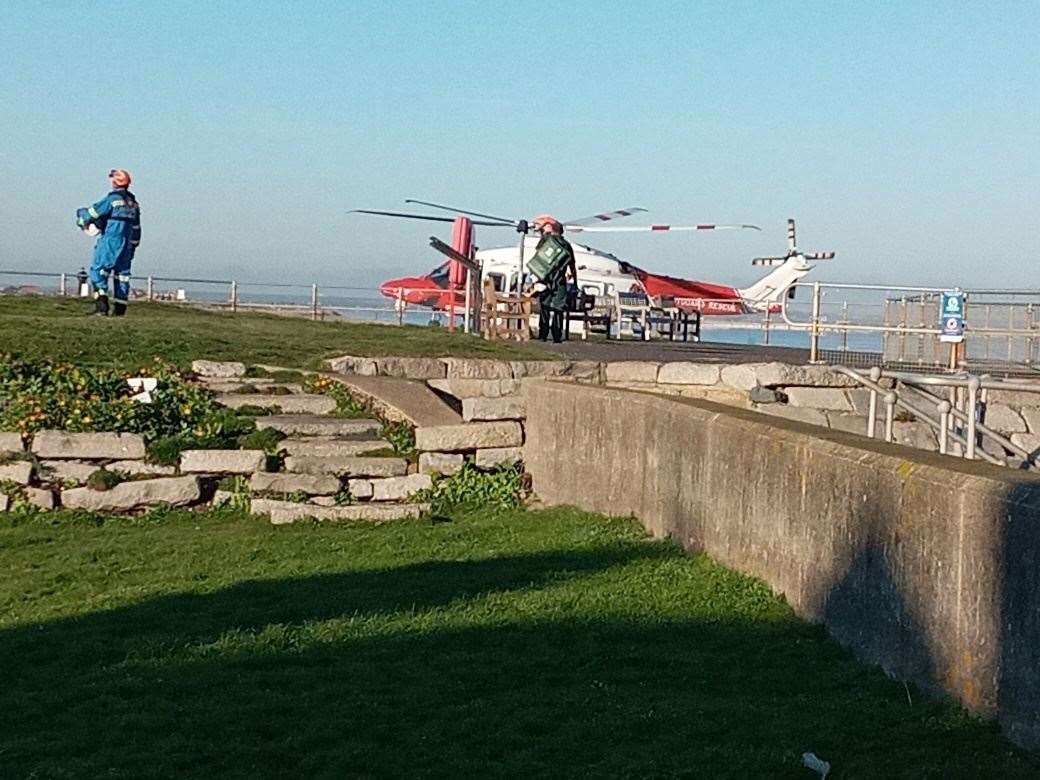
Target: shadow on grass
{"x": 350, "y": 675}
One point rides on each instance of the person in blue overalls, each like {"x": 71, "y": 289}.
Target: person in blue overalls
{"x": 117, "y": 217}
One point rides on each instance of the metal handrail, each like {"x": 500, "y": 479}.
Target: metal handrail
{"x": 942, "y": 425}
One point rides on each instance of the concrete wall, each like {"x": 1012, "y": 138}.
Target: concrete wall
{"x": 927, "y": 566}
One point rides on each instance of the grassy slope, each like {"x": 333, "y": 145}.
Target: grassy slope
{"x": 55, "y": 328}
{"x": 517, "y": 644}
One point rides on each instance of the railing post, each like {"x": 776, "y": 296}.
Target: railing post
{"x": 973, "y": 399}
{"x": 875, "y": 376}
{"x": 234, "y": 295}
{"x": 62, "y": 289}
{"x": 765, "y": 328}
{"x": 151, "y": 288}
{"x": 890, "y": 414}
{"x": 399, "y": 305}
{"x": 314, "y": 301}
{"x": 944, "y": 426}
{"x": 814, "y": 342}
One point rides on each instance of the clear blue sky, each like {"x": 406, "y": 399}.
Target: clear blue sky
{"x": 906, "y": 136}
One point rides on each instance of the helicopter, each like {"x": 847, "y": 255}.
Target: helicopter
{"x": 600, "y": 273}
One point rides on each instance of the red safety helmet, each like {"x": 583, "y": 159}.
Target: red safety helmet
{"x": 545, "y": 220}
{"x": 119, "y": 177}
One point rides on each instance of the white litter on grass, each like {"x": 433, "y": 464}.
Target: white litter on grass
{"x": 144, "y": 385}
{"x": 813, "y": 762}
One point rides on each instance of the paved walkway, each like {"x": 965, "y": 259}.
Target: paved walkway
{"x": 673, "y": 351}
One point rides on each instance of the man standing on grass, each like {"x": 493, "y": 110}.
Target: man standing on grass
{"x": 116, "y": 220}
{"x": 556, "y": 254}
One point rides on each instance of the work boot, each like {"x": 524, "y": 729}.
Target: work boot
{"x": 119, "y": 309}
{"x": 101, "y": 306}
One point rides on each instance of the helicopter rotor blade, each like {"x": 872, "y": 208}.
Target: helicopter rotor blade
{"x": 819, "y": 255}
{"x": 427, "y": 217}
{"x": 511, "y": 222}
{"x": 657, "y": 228}
{"x": 605, "y": 216}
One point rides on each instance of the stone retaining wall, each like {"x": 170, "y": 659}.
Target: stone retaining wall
{"x": 928, "y": 566}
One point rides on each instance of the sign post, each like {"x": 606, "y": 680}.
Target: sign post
{"x": 951, "y": 323}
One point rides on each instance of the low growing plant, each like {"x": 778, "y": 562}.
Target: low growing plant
{"x": 347, "y": 405}
{"x": 102, "y": 479}
{"x": 401, "y": 437}
{"x": 266, "y": 439}
{"x": 501, "y": 488}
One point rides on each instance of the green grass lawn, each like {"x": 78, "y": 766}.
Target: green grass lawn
{"x": 52, "y": 327}
{"x": 509, "y": 644}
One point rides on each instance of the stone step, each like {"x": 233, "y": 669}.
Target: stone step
{"x": 284, "y": 512}
{"x": 304, "y": 403}
{"x": 222, "y": 461}
{"x": 328, "y": 447}
{"x": 249, "y": 386}
{"x": 313, "y": 425}
{"x": 347, "y": 466}
{"x": 172, "y": 491}
{"x": 282, "y": 482}
{"x": 401, "y": 400}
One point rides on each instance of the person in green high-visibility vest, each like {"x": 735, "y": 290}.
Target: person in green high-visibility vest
{"x": 553, "y": 299}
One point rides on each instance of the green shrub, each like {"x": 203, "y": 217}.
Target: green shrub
{"x": 103, "y": 479}
{"x": 285, "y": 375}
{"x": 234, "y": 484}
{"x": 41, "y": 394}
{"x": 502, "y": 488}
{"x": 266, "y": 439}
{"x": 346, "y": 404}
{"x": 401, "y": 437}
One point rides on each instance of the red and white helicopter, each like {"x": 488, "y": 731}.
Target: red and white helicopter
{"x": 599, "y": 273}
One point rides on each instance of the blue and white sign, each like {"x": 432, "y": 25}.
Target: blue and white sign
{"x": 951, "y": 317}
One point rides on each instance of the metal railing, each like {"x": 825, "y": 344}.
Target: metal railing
{"x": 957, "y": 418}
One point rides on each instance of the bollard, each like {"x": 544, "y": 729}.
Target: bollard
{"x": 314, "y": 301}
{"x": 151, "y": 289}
{"x": 234, "y": 296}
{"x": 62, "y": 288}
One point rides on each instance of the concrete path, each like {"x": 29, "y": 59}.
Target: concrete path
{"x": 402, "y": 400}
{"x": 672, "y": 351}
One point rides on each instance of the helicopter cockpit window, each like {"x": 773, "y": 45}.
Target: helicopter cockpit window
{"x": 499, "y": 281}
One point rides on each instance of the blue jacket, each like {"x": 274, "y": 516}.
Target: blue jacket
{"x": 118, "y": 217}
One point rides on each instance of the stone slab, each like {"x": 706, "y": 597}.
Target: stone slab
{"x": 475, "y": 388}
{"x": 829, "y": 399}
{"x": 1004, "y": 419}
{"x": 360, "y": 488}
{"x": 222, "y": 461}
{"x": 445, "y": 463}
{"x": 11, "y": 442}
{"x": 631, "y": 371}
{"x": 218, "y": 369}
{"x": 88, "y": 446}
{"x": 688, "y": 374}
{"x": 325, "y": 447}
{"x": 411, "y": 367}
{"x": 401, "y": 400}
{"x": 66, "y": 470}
{"x": 468, "y": 436}
{"x": 302, "y": 403}
{"x": 810, "y": 416}
{"x": 493, "y": 457}
{"x": 535, "y": 368}
{"x": 348, "y": 466}
{"x": 139, "y": 467}
{"x": 472, "y": 368}
{"x": 19, "y": 471}
{"x": 40, "y": 498}
{"x": 284, "y": 482}
{"x": 353, "y": 366}
{"x": 400, "y": 488}
{"x": 511, "y": 408}
{"x": 284, "y": 512}
{"x": 1032, "y": 418}
{"x": 313, "y": 425}
{"x": 1030, "y": 442}
{"x": 127, "y": 496}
